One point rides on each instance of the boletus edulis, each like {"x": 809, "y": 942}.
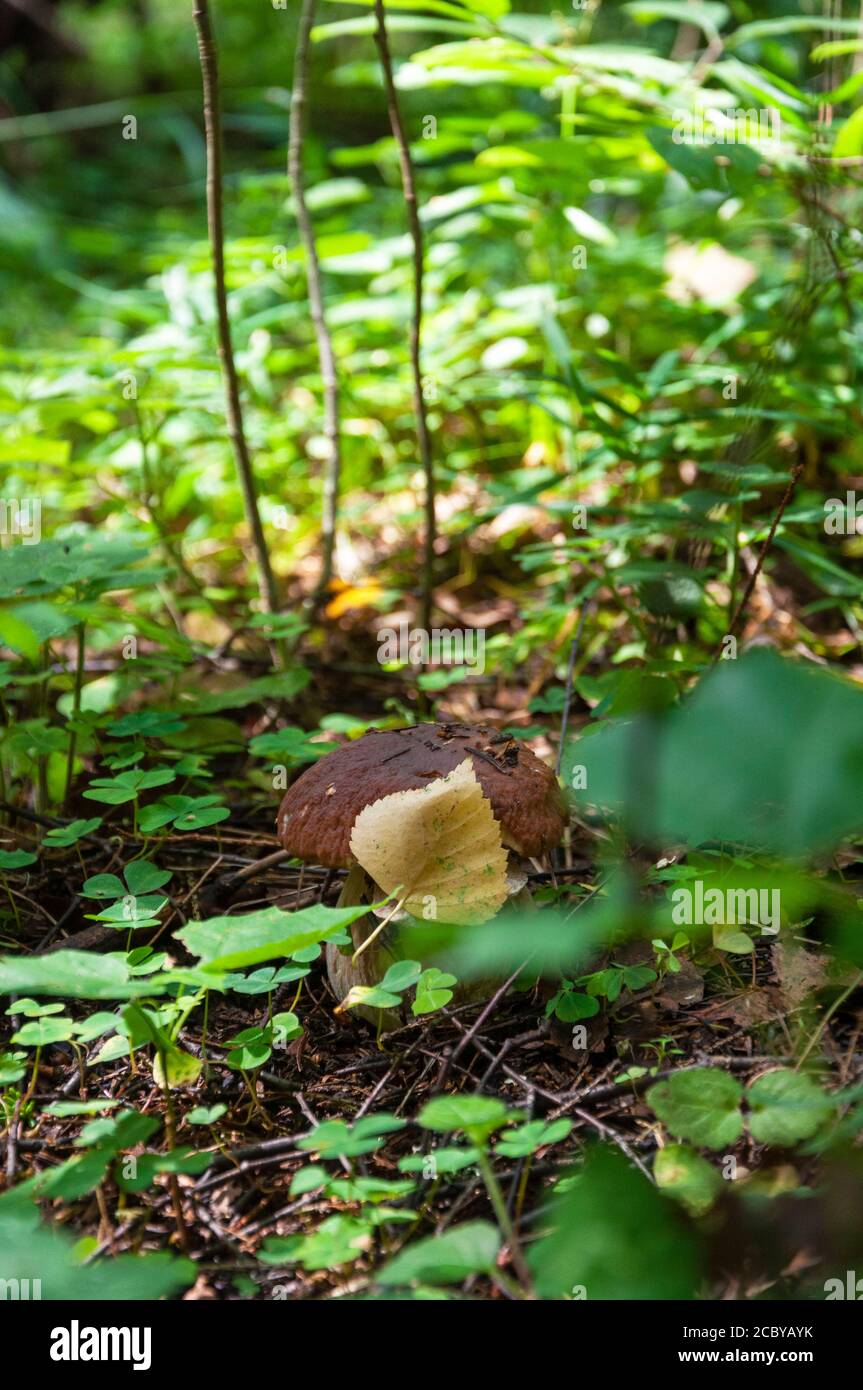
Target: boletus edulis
{"x": 440, "y": 816}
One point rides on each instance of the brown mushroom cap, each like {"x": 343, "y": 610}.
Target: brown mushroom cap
{"x": 318, "y": 812}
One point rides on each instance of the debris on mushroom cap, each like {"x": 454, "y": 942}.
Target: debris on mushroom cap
{"x": 318, "y": 812}
{"x": 438, "y": 846}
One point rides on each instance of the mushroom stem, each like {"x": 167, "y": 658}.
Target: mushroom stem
{"x": 353, "y": 887}
{"x": 342, "y": 971}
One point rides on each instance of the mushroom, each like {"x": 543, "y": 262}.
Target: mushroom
{"x": 318, "y": 812}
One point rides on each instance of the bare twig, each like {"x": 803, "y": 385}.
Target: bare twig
{"x": 762, "y": 554}
{"x": 570, "y": 669}
{"x": 12, "y": 1144}
{"x": 76, "y": 710}
{"x": 414, "y": 225}
{"x": 316, "y": 300}
{"x": 213, "y": 130}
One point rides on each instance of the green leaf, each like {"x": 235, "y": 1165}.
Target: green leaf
{"x": 433, "y": 991}
{"x": 30, "y": 1009}
{"x": 102, "y": 886}
{"x": 786, "y": 1106}
{"x": 788, "y": 794}
{"x": 701, "y": 1104}
{"x": 335, "y": 1139}
{"x": 440, "y": 1162}
{"x": 11, "y": 1068}
{"x": 338, "y": 1240}
{"x": 445, "y": 1259}
{"x": 149, "y": 1166}
{"x": 132, "y": 912}
{"x": 286, "y": 1026}
{"x": 307, "y": 1179}
{"x": 572, "y": 1006}
{"x": 789, "y": 24}
{"x": 401, "y": 975}
{"x": 614, "y": 1236}
{"x": 527, "y": 1138}
{"x": 143, "y": 877}
{"x": 849, "y": 139}
{"x": 73, "y": 974}
{"x": 42, "y": 1031}
{"x": 267, "y": 979}
{"x": 116, "y": 791}
{"x": 18, "y": 635}
{"x": 289, "y": 745}
{"x": 31, "y": 1251}
{"x": 155, "y": 816}
{"x": 95, "y": 1026}
{"x": 370, "y": 997}
{"x": 684, "y": 1174}
{"x": 477, "y": 1116}
{"x": 232, "y": 943}
{"x": 148, "y": 723}
{"x": 206, "y": 1114}
{"x": 176, "y": 1068}
{"x": 63, "y": 1108}
{"x": 281, "y": 687}
{"x": 732, "y": 940}
{"x": 637, "y": 976}
{"x": 61, "y": 837}
{"x": 709, "y": 15}
{"x": 16, "y": 858}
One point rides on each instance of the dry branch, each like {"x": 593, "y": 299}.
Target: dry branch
{"x": 415, "y": 228}
{"x": 316, "y": 299}
{"x": 236, "y": 431}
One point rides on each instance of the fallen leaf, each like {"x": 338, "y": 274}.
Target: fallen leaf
{"x": 801, "y": 972}
{"x": 440, "y": 846}
{"x": 354, "y": 596}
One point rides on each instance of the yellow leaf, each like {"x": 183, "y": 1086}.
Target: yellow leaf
{"x": 354, "y": 596}
{"x": 440, "y": 846}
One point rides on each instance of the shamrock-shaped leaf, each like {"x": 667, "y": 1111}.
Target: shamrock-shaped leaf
{"x": 29, "y": 1008}
{"x": 570, "y": 1006}
{"x": 205, "y": 1114}
{"x": 42, "y": 1031}
{"x": 147, "y": 723}
{"x": 335, "y": 1139}
{"x": 249, "y": 1049}
{"x": 337, "y": 1241}
{"x": 285, "y": 1026}
{"x": 126, "y": 786}
{"x": 61, "y": 837}
{"x": 477, "y": 1116}
{"x": 11, "y": 1067}
{"x": 16, "y": 858}
{"x": 102, "y": 886}
{"x": 440, "y": 1162}
{"x": 433, "y": 991}
{"x": 144, "y": 877}
{"x": 527, "y": 1138}
{"x": 183, "y": 812}
{"x": 289, "y": 745}
{"x": 131, "y": 912}
{"x": 266, "y": 979}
